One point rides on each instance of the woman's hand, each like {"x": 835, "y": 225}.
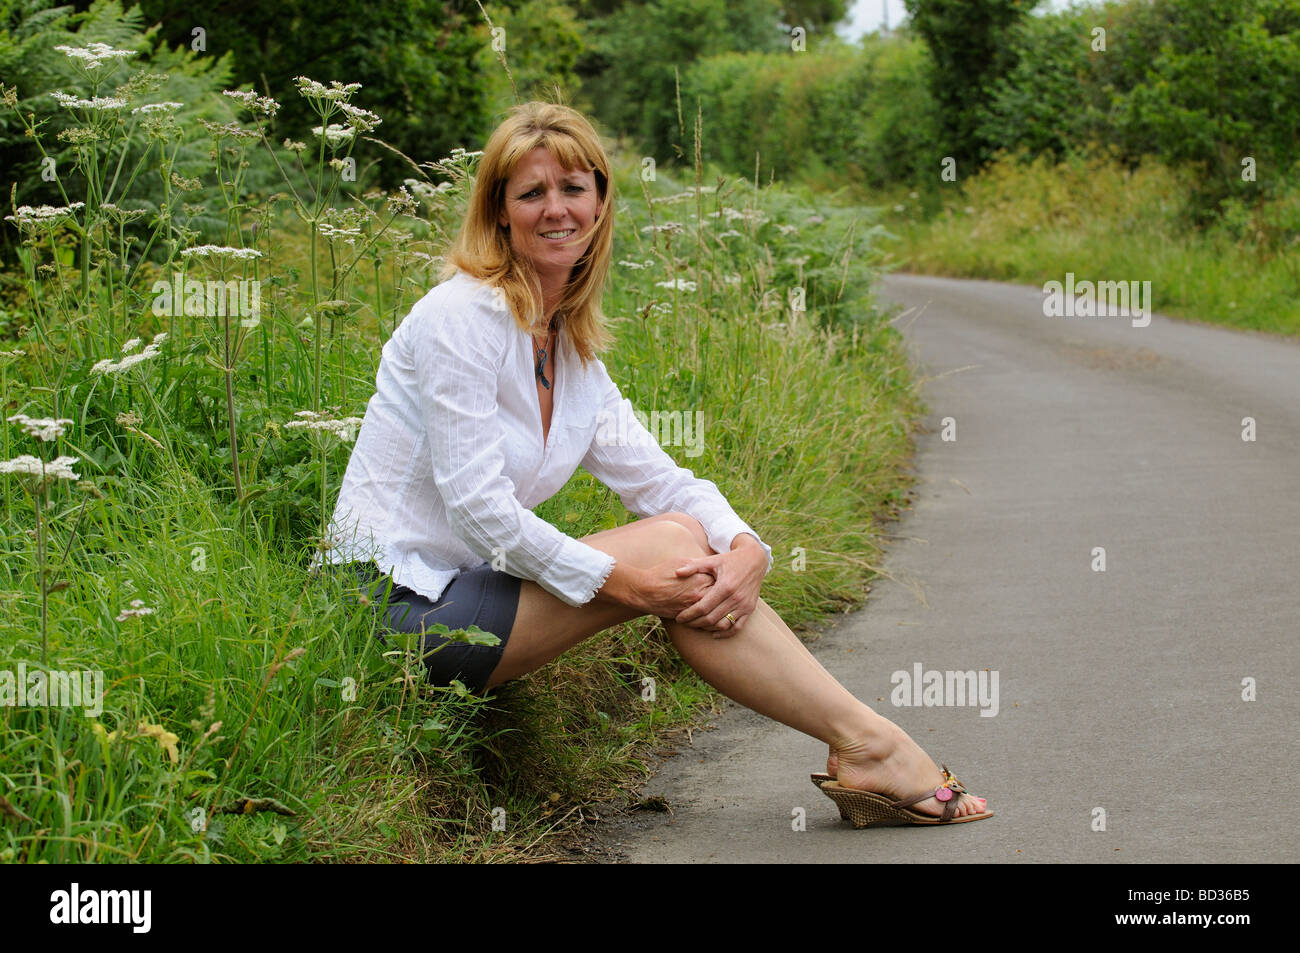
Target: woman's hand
{"x": 737, "y": 576}
{"x": 662, "y": 591}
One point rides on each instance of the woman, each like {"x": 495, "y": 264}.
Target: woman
{"x": 488, "y": 395}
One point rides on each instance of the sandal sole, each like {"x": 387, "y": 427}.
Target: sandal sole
{"x": 866, "y": 809}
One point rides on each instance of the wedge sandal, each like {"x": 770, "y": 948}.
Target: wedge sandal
{"x": 865, "y": 808}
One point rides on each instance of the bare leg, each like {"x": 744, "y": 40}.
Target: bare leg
{"x": 764, "y": 667}
{"x": 767, "y": 668}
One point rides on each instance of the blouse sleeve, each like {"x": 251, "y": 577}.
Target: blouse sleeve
{"x": 648, "y": 481}
{"x": 459, "y": 355}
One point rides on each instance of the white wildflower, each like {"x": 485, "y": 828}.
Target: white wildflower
{"x": 637, "y": 266}
{"x": 94, "y": 55}
{"x": 899, "y": 208}
{"x": 335, "y": 135}
{"x": 349, "y": 235}
{"x": 402, "y": 202}
{"x": 425, "y": 191}
{"x": 138, "y": 608}
{"x": 30, "y": 217}
{"x": 148, "y": 108}
{"x": 344, "y": 429}
{"x": 43, "y": 428}
{"x": 221, "y": 251}
{"x": 60, "y": 468}
{"x": 337, "y": 92}
{"x": 681, "y": 284}
{"x": 787, "y": 229}
{"x": 109, "y": 366}
{"x": 757, "y": 216}
{"x": 98, "y": 103}
{"x": 458, "y": 156}
{"x": 253, "y": 102}
{"x": 363, "y": 120}
{"x": 671, "y": 227}
{"x": 730, "y": 232}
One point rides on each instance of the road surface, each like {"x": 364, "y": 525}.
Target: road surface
{"x": 1121, "y": 733}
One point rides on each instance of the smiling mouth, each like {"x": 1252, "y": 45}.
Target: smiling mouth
{"x": 558, "y": 235}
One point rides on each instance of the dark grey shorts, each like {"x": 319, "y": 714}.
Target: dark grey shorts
{"x": 482, "y": 597}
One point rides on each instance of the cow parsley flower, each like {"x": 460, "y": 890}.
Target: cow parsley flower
{"x": 43, "y": 215}
{"x": 98, "y": 104}
{"x": 95, "y": 55}
{"x": 253, "y": 102}
{"x": 363, "y": 120}
{"x": 109, "y": 366}
{"x": 335, "y": 92}
{"x": 221, "y": 251}
{"x": 344, "y": 429}
{"x": 138, "y": 608}
{"x": 58, "y": 469}
{"x": 335, "y": 135}
{"x": 43, "y": 428}
{"x": 148, "y": 108}
{"x": 334, "y": 233}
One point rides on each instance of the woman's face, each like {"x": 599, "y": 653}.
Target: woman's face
{"x": 543, "y": 199}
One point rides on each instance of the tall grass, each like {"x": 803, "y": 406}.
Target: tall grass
{"x": 248, "y": 713}
{"x": 1033, "y": 221}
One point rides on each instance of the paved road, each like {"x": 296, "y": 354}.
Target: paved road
{"x": 1118, "y": 690}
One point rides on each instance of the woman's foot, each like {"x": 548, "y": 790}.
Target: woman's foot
{"x": 889, "y": 762}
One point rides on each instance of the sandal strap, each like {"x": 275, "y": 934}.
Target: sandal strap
{"x": 949, "y": 807}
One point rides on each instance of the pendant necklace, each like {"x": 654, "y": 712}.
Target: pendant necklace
{"x": 541, "y": 363}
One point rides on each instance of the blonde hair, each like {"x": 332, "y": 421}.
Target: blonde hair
{"x": 482, "y": 246}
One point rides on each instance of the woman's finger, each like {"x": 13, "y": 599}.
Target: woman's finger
{"x": 704, "y": 612}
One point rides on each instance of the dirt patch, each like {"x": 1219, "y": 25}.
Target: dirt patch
{"x": 1112, "y": 358}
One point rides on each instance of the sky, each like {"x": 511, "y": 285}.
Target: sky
{"x": 867, "y": 15}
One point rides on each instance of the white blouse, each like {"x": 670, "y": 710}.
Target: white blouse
{"x": 450, "y": 459}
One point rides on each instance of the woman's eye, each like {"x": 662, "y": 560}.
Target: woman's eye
{"x": 534, "y": 191}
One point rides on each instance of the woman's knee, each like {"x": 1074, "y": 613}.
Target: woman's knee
{"x": 670, "y": 538}
{"x": 685, "y": 520}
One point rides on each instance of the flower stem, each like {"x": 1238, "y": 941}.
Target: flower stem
{"x": 40, "y": 575}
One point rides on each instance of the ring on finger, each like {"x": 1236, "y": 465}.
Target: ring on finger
{"x": 731, "y": 617}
